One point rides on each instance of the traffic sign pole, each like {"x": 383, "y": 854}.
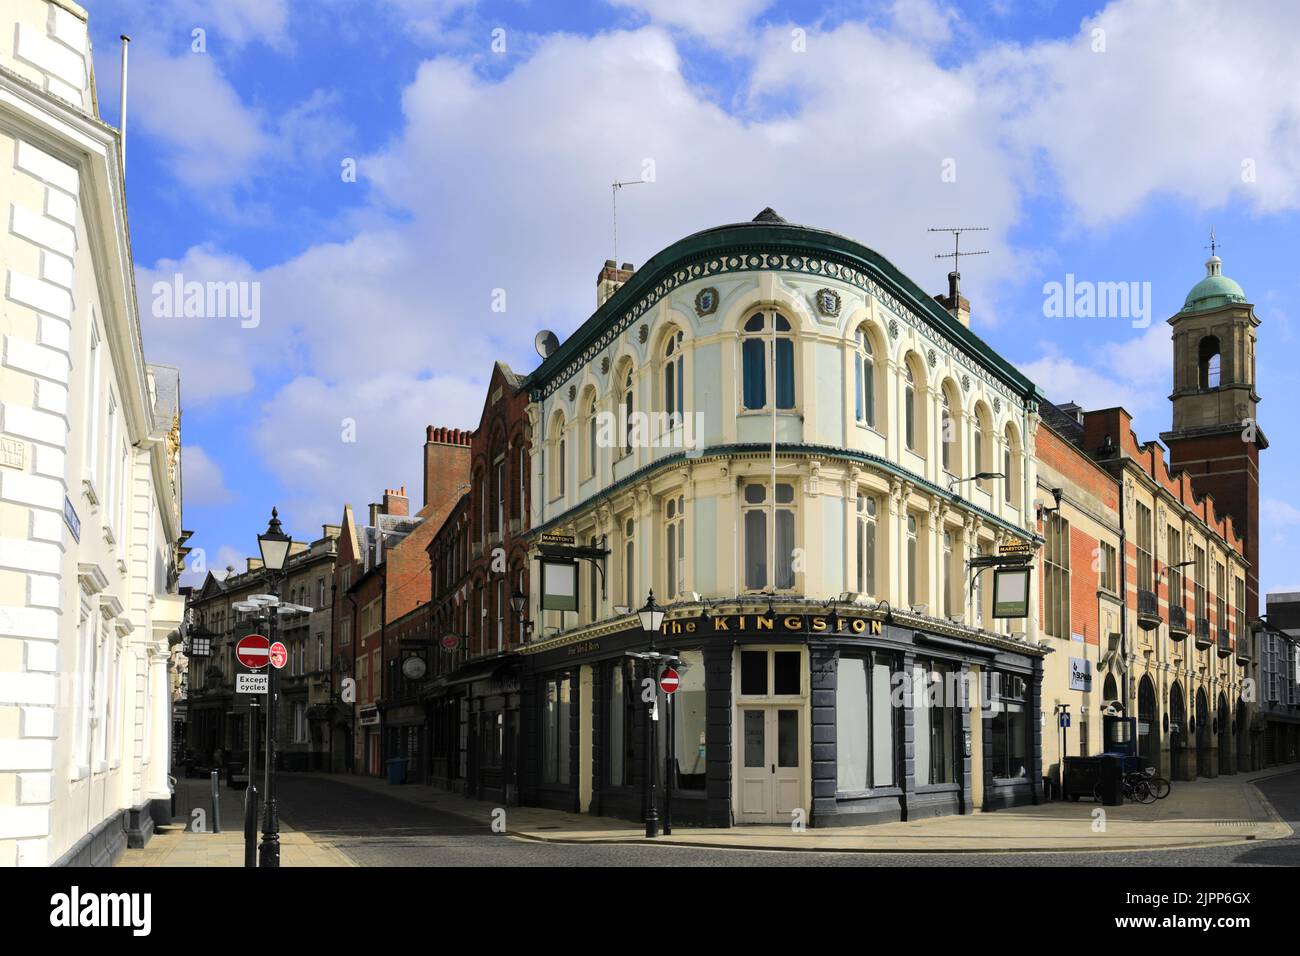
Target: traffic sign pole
{"x": 270, "y": 849}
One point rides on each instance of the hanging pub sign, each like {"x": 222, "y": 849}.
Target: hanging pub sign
{"x": 1016, "y": 548}
{"x": 559, "y": 585}
{"x": 1011, "y": 592}
{"x": 551, "y": 539}
{"x": 413, "y": 668}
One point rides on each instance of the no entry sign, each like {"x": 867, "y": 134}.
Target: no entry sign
{"x": 253, "y": 650}
{"x": 279, "y": 655}
{"x": 669, "y": 681}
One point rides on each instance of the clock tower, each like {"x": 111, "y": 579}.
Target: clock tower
{"x": 1216, "y": 436}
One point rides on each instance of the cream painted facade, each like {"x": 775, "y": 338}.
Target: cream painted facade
{"x": 601, "y": 495}
{"x": 89, "y": 471}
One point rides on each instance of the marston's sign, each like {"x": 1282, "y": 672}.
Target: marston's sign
{"x": 776, "y": 624}
{"x": 557, "y": 540}
{"x": 1016, "y": 546}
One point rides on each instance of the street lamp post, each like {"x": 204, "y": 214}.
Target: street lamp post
{"x": 652, "y": 618}
{"x": 274, "y": 545}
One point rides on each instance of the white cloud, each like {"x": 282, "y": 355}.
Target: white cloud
{"x": 186, "y": 103}
{"x": 1278, "y": 514}
{"x": 1134, "y": 373}
{"x": 1183, "y": 95}
{"x": 202, "y": 480}
{"x": 302, "y": 437}
{"x": 718, "y": 20}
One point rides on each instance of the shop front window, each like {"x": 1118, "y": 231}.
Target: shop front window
{"x": 934, "y": 717}
{"x": 622, "y": 713}
{"x": 689, "y": 719}
{"x": 1010, "y": 726}
{"x": 555, "y": 731}
{"x": 864, "y": 725}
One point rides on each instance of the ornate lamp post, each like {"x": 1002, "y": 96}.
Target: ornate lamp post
{"x": 652, "y": 618}
{"x": 274, "y": 545}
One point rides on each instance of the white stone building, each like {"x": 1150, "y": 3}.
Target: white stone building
{"x": 89, "y": 471}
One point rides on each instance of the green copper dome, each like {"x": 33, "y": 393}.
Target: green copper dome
{"x": 1214, "y": 291}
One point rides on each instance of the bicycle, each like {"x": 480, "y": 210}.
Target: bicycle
{"x": 1158, "y": 785}
{"x": 1134, "y": 786}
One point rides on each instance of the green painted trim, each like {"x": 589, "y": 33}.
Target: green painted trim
{"x": 787, "y": 239}
{"x": 817, "y": 451}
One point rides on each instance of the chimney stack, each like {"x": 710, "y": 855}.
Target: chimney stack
{"x": 611, "y": 279}
{"x": 958, "y": 305}
{"x": 396, "y": 503}
{"x": 446, "y": 465}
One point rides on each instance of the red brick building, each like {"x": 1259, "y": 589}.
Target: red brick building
{"x": 478, "y": 559}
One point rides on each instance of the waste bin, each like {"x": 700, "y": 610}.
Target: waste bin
{"x": 1081, "y": 775}
{"x": 397, "y": 770}
{"x": 1111, "y": 780}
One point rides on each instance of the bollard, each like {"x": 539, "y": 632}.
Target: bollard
{"x": 216, "y": 803}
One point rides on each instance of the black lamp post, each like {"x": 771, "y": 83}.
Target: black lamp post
{"x": 274, "y": 545}
{"x": 652, "y": 618}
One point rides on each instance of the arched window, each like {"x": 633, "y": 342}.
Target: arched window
{"x": 675, "y": 545}
{"x": 627, "y": 403}
{"x": 949, "y": 574}
{"x": 1011, "y": 467}
{"x": 867, "y": 511}
{"x": 674, "y": 379}
{"x": 949, "y": 434}
{"x": 590, "y": 448}
{"x": 1208, "y": 361}
{"x": 557, "y": 453}
{"x": 629, "y": 565}
{"x": 913, "y": 564}
{"x": 759, "y": 329}
{"x": 977, "y": 446}
{"x": 911, "y": 431}
{"x": 864, "y": 379}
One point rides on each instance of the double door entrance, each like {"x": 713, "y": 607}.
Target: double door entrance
{"x": 771, "y": 775}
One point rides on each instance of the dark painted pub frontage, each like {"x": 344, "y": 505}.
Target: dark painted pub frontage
{"x": 782, "y": 716}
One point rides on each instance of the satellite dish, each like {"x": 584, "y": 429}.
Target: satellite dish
{"x": 546, "y": 343}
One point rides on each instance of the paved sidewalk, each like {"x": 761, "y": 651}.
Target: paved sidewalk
{"x": 178, "y": 845}
{"x": 1224, "y": 810}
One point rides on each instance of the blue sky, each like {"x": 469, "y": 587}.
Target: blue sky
{"x": 1098, "y": 141}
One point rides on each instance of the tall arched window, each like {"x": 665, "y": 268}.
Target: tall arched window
{"x": 674, "y": 378}
{"x": 627, "y": 403}
{"x": 590, "y": 448}
{"x": 759, "y": 329}
{"x": 913, "y": 562}
{"x": 675, "y": 546}
{"x": 949, "y": 574}
{"x": 867, "y": 509}
{"x": 1209, "y": 359}
{"x": 909, "y": 408}
{"x": 1011, "y": 467}
{"x": 555, "y": 467}
{"x": 629, "y": 565}
{"x": 979, "y": 447}
{"x": 950, "y": 450}
{"x": 864, "y": 379}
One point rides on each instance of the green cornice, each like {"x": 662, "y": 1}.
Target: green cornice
{"x": 661, "y": 273}
{"x": 806, "y": 450}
